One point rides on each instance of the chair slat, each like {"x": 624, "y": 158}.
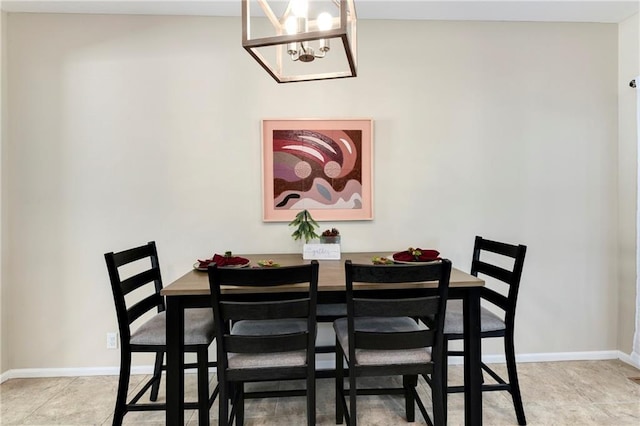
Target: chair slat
{"x": 492, "y": 271}
{"x": 143, "y": 306}
{"x": 262, "y": 276}
{"x": 396, "y": 273}
{"x": 236, "y": 311}
{"x": 266, "y": 344}
{"x": 136, "y": 281}
{"x": 494, "y": 297}
{"x": 131, "y": 255}
{"x": 503, "y": 249}
{"x": 394, "y": 341}
{"x": 411, "y": 307}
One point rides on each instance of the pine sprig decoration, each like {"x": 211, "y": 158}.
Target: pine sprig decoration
{"x": 306, "y": 226}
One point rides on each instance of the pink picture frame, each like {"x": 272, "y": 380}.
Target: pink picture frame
{"x": 321, "y": 165}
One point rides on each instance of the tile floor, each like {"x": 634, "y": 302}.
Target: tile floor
{"x": 555, "y": 393}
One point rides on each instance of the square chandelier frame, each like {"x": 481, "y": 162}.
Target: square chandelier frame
{"x": 347, "y": 21}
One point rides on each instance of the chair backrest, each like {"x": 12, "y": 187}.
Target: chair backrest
{"x": 147, "y": 282}
{"x": 422, "y": 303}
{"x": 510, "y": 276}
{"x": 298, "y": 301}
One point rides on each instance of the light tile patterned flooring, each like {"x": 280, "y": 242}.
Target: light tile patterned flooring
{"x": 554, "y": 393}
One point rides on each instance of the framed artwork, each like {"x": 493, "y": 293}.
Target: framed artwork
{"x": 324, "y": 166}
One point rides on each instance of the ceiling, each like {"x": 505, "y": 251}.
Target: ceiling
{"x": 476, "y": 10}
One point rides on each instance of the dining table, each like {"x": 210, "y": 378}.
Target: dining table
{"x": 191, "y": 290}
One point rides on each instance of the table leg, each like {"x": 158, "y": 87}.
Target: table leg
{"x": 175, "y": 361}
{"x": 472, "y": 358}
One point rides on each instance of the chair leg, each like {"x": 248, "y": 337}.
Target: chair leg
{"x": 353, "y": 394}
{"x": 409, "y": 382}
{"x": 203, "y": 386}
{"x": 239, "y": 396}
{"x": 223, "y": 401}
{"x": 311, "y": 399}
{"x": 437, "y": 401}
{"x": 445, "y": 377}
{"x": 339, "y": 384}
{"x": 123, "y": 387}
{"x": 514, "y": 384}
{"x": 157, "y": 375}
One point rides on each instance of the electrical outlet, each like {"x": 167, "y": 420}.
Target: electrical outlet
{"x": 112, "y": 340}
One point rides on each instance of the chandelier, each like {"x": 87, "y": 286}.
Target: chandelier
{"x": 301, "y": 40}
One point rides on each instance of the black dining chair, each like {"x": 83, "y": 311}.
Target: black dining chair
{"x": 385, "y": 334}
{"x": 506, "y": 267}
{"x": 271, "y": 338}
{"x": 136, "y": 283}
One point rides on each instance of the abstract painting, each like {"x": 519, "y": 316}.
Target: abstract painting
{"x": 324, "y": 166}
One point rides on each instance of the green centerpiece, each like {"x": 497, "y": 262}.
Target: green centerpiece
{"x": 305, "y": 226}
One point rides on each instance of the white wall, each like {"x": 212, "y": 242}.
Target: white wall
{"x": 126, "y": 129}
{"x": 629, "y": 68}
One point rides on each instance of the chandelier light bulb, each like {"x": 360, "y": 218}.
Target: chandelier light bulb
{"x": 291, "y": 25}
{"x": 325, "y": 21}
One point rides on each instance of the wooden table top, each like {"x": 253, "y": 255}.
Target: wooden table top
{"x": 330, "y": 278}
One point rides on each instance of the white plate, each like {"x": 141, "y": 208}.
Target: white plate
{"x": 197, "y": 267}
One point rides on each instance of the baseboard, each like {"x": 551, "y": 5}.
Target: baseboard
{"x": 556, "y": 356}
{"x": 547, "y": 357}
{"x": 633, "y": 359}
{"x": 27, "y": 373}
{"x": 489, "y": 359}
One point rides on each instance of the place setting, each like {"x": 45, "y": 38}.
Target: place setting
{"x": 411, "y": 256}
{"x": 228, "y": 260}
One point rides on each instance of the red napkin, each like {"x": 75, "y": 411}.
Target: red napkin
{"x": 229, "y": 260}
{"x": 223, "y": 261}
{"x": 426, "y": 256}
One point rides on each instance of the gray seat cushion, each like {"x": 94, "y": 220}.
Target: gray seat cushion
{"x": 269, "y": 327}
{"x": 275, "y": 359}
{"x": 331, "y": 310}
{"x": 453, "y": 323}
{"x": 382, "y": 357}
{"x": 198, "y": 329}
